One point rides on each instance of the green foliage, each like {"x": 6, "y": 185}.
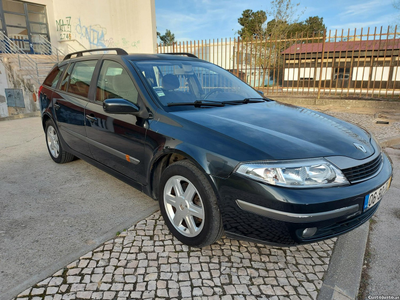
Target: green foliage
{"x": 168, "y": 39}
{"x": 252, "y": 24}
{"x": 312, "y": 26}
{"x": 284, "y": 22}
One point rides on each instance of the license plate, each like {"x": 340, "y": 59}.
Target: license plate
{"x": 376, "y": 196}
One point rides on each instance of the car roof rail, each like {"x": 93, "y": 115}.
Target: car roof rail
{"x": 182, "y": 53}
{"x": 80, "y": 53}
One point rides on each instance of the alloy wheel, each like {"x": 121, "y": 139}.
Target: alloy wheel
{"x": 184, "y": 206}
{"x": 53, "y": 142}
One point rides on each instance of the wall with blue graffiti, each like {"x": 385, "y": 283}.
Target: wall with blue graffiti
{"x": 90, "y": 24}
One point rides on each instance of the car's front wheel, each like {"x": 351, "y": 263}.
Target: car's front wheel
{"x": 54, "y": 146}
{"x": 189, "y": 205}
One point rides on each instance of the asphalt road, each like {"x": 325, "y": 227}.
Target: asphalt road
{"x": 385, "y": 240}
{"x": 50, "y": 214}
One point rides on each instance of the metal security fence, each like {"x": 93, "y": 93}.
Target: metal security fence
{"x": 356, "y": 63}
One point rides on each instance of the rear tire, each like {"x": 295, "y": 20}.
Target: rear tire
{"x": 54, "y": 146}
{"x": 189, "y": 206}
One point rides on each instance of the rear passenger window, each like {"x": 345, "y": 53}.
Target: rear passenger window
{"x": 67, "y": 75}
{"x": 54, "y": 76}
{"x": 115, "y": 82}
{"x": 80, "y": 77}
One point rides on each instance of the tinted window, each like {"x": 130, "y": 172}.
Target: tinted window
{"x": 64, "y": 82}
{"x": 54, "y": 76}
{"x": 81, "y": 76}
{"x": 114, "y": 82}
{"x": 190, "y": 80}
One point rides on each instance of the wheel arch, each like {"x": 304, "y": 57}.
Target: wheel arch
{"x": 45, "y": 118}
{"x": 162, "y": 161}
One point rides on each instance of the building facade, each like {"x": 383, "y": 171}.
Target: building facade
{"x": 362, "y": 66}
{"x": 57, "y": 27}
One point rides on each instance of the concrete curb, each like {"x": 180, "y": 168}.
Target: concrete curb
{"x": 343, "y": 277}
{"x": 21, "y": 116}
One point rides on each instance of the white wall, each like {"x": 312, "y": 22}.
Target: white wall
{"x": 90, "y": 24}
{"x": 3, "y": 83}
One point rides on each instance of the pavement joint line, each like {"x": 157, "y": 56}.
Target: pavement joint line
{"x": 335, "y": 290}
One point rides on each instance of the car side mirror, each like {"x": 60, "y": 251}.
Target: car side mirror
{"x": 120, "y": 106}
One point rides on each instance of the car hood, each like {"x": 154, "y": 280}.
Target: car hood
{"x": 283, "y": 131}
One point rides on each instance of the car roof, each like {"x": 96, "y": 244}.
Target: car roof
{"x": 79, "y": 55}
{"x": 159, "y": 56}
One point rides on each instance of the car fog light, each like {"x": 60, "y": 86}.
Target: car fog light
{"x": 309, "y": 232}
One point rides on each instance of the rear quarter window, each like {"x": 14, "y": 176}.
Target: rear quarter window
{"x": 52, "y": 79}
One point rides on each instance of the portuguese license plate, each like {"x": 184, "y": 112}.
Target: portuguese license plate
{"x": 376, "y": 196}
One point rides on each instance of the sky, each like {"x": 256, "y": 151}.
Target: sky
{"x": 215, "y": 19}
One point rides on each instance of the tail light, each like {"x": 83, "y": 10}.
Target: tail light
{"x": 40, "y": 89}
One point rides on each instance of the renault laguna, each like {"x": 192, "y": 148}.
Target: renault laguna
{"x": 217, "y": 155}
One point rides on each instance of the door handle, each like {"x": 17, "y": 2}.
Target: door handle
{"x": 92, "y": 119}
{"x": 57, "y": 106}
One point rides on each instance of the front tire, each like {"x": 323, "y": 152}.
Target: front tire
{"x": 189, "y": 206}
{"x": 54, "y": 146}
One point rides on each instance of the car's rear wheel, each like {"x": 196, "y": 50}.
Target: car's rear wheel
{"x": 54, "y": 146}
{"x": 189, "y": 205}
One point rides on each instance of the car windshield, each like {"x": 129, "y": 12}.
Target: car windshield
{"x": 186, "y": 81}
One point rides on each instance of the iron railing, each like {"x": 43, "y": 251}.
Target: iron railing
{"x": 352, "y": 63}
{"x": 54, "y": 53}
{"x": 25, "y": 62}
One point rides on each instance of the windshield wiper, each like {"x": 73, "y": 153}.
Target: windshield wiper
{"x": 197, "y": 103}
{"x": 245, "y": 101}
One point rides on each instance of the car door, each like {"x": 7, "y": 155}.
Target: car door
{"x": 70, "y": 101}
{"x": 116, "y": 141}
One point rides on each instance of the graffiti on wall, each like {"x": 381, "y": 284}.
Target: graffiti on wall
{"x": 94, "y": 34}
{"x": 64, "y": 28}
{"x": 122, "y": 43}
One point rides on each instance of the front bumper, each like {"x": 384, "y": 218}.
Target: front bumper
{"x": 274, "y": 215}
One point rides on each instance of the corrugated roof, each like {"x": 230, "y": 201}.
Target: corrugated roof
{"x": 344, "y": 46}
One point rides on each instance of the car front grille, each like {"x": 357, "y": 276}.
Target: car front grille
{"x": 364, "y": 171}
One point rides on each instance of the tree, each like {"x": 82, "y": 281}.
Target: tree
{"x": 282, "y": 29}
{"x": 396, "y": 18}
{"x": 271, "y": 40}
{"x": 283, "y": 14}
{"x": 252, "y": 24}
{"x": 314, "y": 26}
{"x": 168, "y": 39}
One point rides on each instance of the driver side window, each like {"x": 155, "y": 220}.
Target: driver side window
{"x": 115, "y": 82}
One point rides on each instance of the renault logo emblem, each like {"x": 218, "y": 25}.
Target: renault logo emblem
{"x": 360, "y": 147}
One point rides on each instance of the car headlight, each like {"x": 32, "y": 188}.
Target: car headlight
{"x": 294, "y": 173}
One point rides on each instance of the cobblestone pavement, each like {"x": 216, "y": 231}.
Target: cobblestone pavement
{"x": 145, "y": 261}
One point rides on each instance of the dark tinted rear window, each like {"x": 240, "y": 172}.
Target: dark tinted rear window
{"x": 54, "y": 76}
